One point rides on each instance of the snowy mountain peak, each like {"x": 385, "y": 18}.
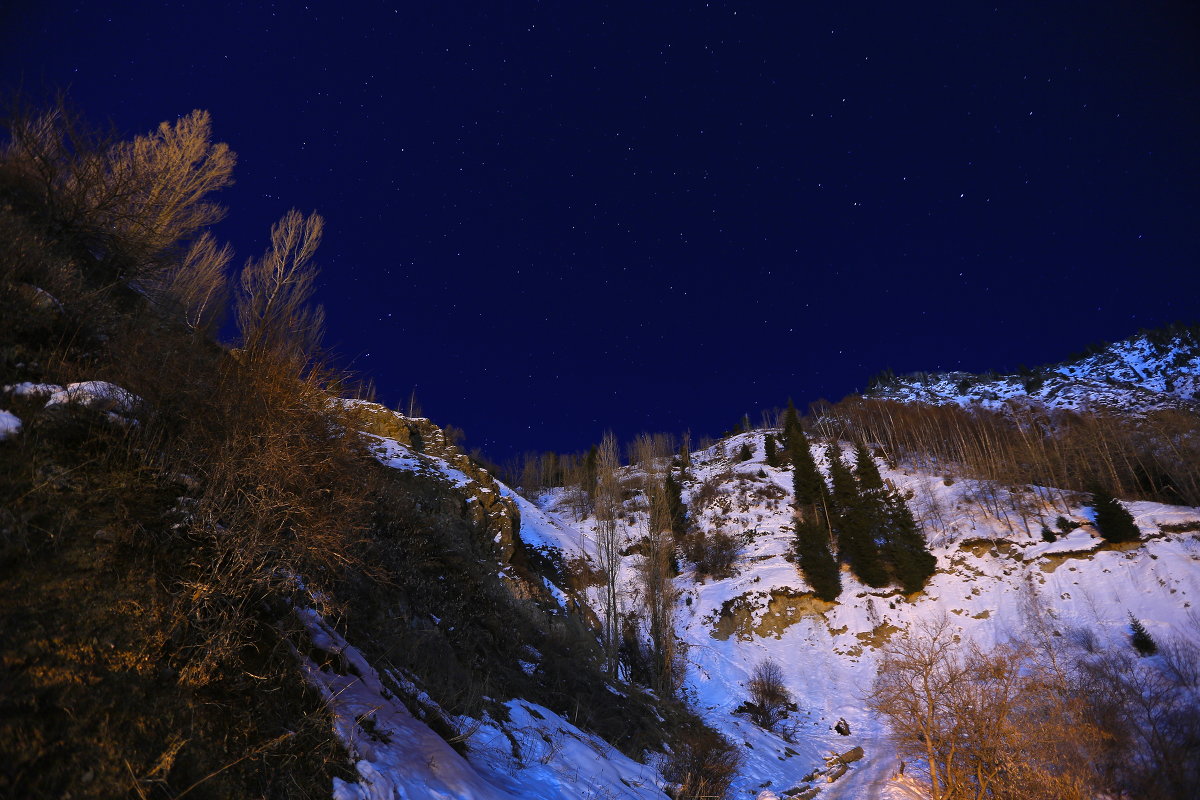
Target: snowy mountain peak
{"x": 1151, "y": 371}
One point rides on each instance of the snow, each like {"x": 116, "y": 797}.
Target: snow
{"x": 994, "y": 571}
{"x": 99, "y": 395}
{"x": 392, "y": 453}
{"x": 534, "y": 754}
{"x": 10, "y": 425}
{"x": 35, "y": 390}
{"x": 1134, "y": 376}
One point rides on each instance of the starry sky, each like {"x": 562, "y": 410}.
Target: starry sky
{"x": 554, "y": 218}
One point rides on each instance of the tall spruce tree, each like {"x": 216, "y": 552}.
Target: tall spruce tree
{"x": 1113, "y": 520}
{"x": 675, "y": 506}
{"x": 893, "y": 528}
{"x": 856, "y": 523}
{"x": 865, "y": 469}
{"x": 905, "y": 550}
{"x": 769, "y": 451}
{"x": 589, "y": 473}
{"x": 816, "y": 561}
{"x": 807, "y": 482}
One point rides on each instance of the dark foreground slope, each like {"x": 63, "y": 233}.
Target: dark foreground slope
{"x": 172, "y": 509}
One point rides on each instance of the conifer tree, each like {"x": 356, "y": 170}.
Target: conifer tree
{"x": 865, "y": 469}
{"x": 816, "y": 561}
{"x": 589, "y": 472}
{"x": 892, "y": 526}
{"x": 855, "y": 523}
{"x": 1143, "y": 642}
{"x": 812, "y": 503}
{"x": 676, "y": 507}
{"x": 745, "y": 453}
{"x": 769, "y": 451}
{"x": 807, "y": 482}
{"x": 1113, "y": 520}
{"x": 905, "y": 549}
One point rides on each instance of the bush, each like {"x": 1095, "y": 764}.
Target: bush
{"x": 769, "y": 698}
{"x": 1065, "y": 525}
{"x": 714, "y": 554}
{"x": 1113, "y": 520}
{"x": 702, "y": 763}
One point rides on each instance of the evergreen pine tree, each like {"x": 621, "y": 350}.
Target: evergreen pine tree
{"x": 745, "y": 453}
{"x": 905, "y": 549}
{"x": 589, "y": 473}
{"x": 1113, "y": 520}
{"x": 1142, "y": 641}
{"x": 892, "y": 526}
{"x": 865, "y": 469}
{"x": 790, "y": 420}
{"x": 816, "y": 562}
{"x": 856, "y": 523}
{"x": 676, "y": 507}
{"x": 807, "y": 482}
{"x": 769, "y": 451}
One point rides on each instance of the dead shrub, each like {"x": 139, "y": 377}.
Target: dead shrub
{"x": 704, "y": 494}
{"x": 702, "y": 763}
{"x": 715, "y": 554}
{"x": 770, "y": 699}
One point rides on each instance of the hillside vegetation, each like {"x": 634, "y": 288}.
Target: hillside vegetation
{"x": 186, "y": 523}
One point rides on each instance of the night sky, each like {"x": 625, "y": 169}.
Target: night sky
{"x": 556, "y": 218}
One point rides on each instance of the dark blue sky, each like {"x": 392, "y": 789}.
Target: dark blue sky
{"x": 556, "y": 218}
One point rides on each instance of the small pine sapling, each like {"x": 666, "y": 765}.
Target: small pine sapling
{"x": 769, "y": 451}
{"x": 1065, "y": 525}
{"x": 1143, "y": 642}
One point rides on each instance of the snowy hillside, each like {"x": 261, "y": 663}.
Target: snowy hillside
{"x": 993, "y": 571}
{"x": 524, "y": 750}
{"x": 1141, "y": 374}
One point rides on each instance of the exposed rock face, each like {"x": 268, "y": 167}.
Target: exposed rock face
{"x": 485, "y": 502}
{"x": 762, "y": 614}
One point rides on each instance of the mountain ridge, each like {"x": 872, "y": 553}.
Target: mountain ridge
{"x": 1152, "y": 370}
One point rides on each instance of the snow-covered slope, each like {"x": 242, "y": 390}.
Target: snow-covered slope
{"x": 524, "y": 751}
{"x": 1141, "y": 374}
{"x": 532, "y": 753}
{"x": 994, "y": 569}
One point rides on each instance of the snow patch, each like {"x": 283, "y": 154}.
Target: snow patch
{"x": 99, "y": 395}
{"x": 10, "y": 424}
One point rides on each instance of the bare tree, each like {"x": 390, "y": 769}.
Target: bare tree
{"x": 196, "y": 287}
{"x": 274, "y": 315}
{"x": 1007, "y": 723}
{"x": 608, "y": 540}
{"x": 172, "y": 171}
{"x": 658, "y": 588}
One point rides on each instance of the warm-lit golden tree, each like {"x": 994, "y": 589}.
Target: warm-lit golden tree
{"x": 276, "y": 319}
